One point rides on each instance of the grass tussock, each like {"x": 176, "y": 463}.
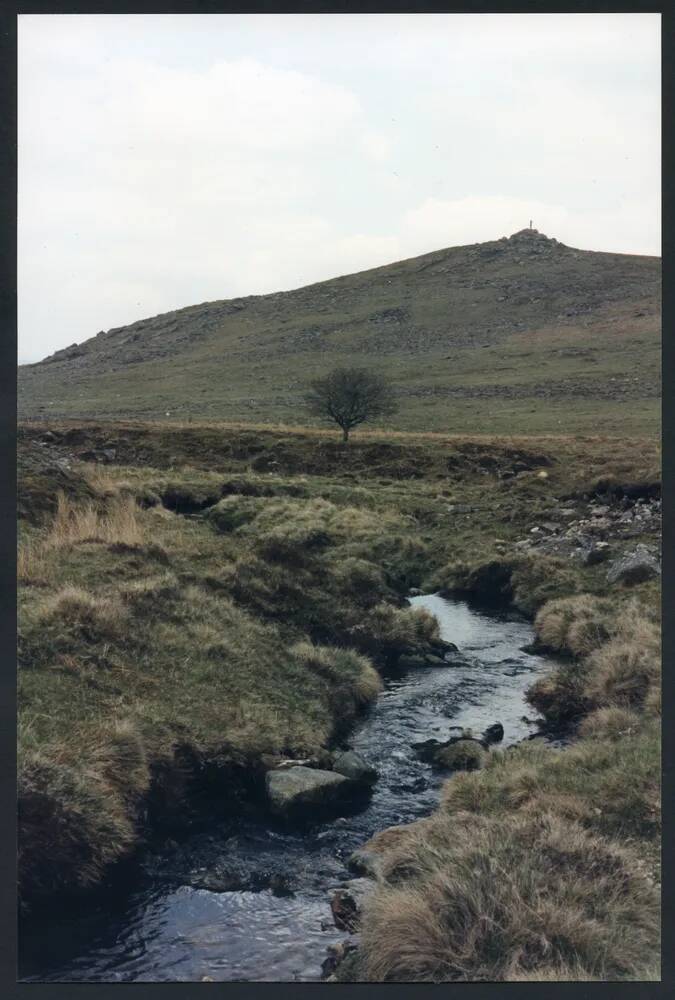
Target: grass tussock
{"x": 610, "y": 785}
{"x": 73, "y": 524}
{"x": 609, "y": 724}
{"x": 476, "y": 898}
{"x": 576, "y": 625}
{"x": 33, "y": 569}
{"x": 622, "y": 671}
{"x": 76, "y": 817}
{"x": 464, "y": 755}
{"x": 394, "y": 631}
{"x": 91, "y": 616}
{"x": 617, "y": 658}
{"x": 350, "y": 677}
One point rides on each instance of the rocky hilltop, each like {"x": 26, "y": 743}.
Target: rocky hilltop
{"x": 521, "y": 333}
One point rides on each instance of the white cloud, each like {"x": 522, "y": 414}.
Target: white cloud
{"x": 377, "y": 146}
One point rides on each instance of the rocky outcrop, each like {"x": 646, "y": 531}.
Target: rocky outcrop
{"x": 635, "y": 567}
{"x": 592, "y": 532}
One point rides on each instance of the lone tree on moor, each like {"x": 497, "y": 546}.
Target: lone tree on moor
{"x": 350, "y": 396}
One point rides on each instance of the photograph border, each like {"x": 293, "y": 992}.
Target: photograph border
{"x": 8, "y": 316}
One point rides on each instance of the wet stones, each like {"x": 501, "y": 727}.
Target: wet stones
{"x": 462, "y": 752}
{"x": 299, "y": 788}
{"x": 353, "y": 766}
{"x": 494, "y": 733}
{"x": 295, "y": 787}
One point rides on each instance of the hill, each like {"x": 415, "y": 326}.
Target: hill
{"x": 519, "y": 335}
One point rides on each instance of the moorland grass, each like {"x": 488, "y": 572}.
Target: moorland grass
{"x": 147, "y": 639}
{"x": 479, "y": 898}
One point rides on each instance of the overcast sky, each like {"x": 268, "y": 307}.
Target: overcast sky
{"x": 166, "y": 160}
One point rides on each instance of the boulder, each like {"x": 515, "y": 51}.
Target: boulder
{"x": 494, "y": 733}
{"x": 353, "y": 766}
{"x": 635, "y": 567}
{"x": 596, "y": 553}
{"x": 302, "y": 788}
{"x": 428, "y": 749}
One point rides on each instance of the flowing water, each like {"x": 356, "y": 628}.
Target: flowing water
{"x": 182, "y": 921}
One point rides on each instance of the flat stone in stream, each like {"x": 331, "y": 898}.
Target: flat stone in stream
{"x": 301, "y": 788}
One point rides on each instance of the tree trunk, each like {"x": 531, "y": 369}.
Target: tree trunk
{"x": 345, "y": 434}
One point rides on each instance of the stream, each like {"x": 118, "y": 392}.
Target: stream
{"x": 182, "y": 921}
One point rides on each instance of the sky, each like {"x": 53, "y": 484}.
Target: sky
{"x": 167, "y": 160}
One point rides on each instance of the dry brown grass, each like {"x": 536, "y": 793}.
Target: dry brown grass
{"x": 353, "y": 678}
{"x": 470, "y": 898}
{"x": 465, "y": 755}
{"x": 79, "y": 814}
{"x": 608, "y": 783}
{"x": 32, "y": 566}
{"x": 609, "y": 724}
{"x": 575, "y": 625}
{"x": 99, "y": 478}
{"x": 73, "y": 607}
{"x": 620, "y": 649}
{"x": 622, "y": 671}
{"x": 391, "y": 631}
{"x": 118, "y": 523}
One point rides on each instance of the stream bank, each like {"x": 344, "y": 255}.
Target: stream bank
{"x": 251, "y": 901}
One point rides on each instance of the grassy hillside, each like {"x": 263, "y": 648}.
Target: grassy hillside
{"x": 523, "y": 334}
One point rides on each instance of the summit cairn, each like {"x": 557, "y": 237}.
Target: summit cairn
{"x": 531, "y": 241}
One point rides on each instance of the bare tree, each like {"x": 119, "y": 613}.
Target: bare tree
{"x": 350, "y": 396}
